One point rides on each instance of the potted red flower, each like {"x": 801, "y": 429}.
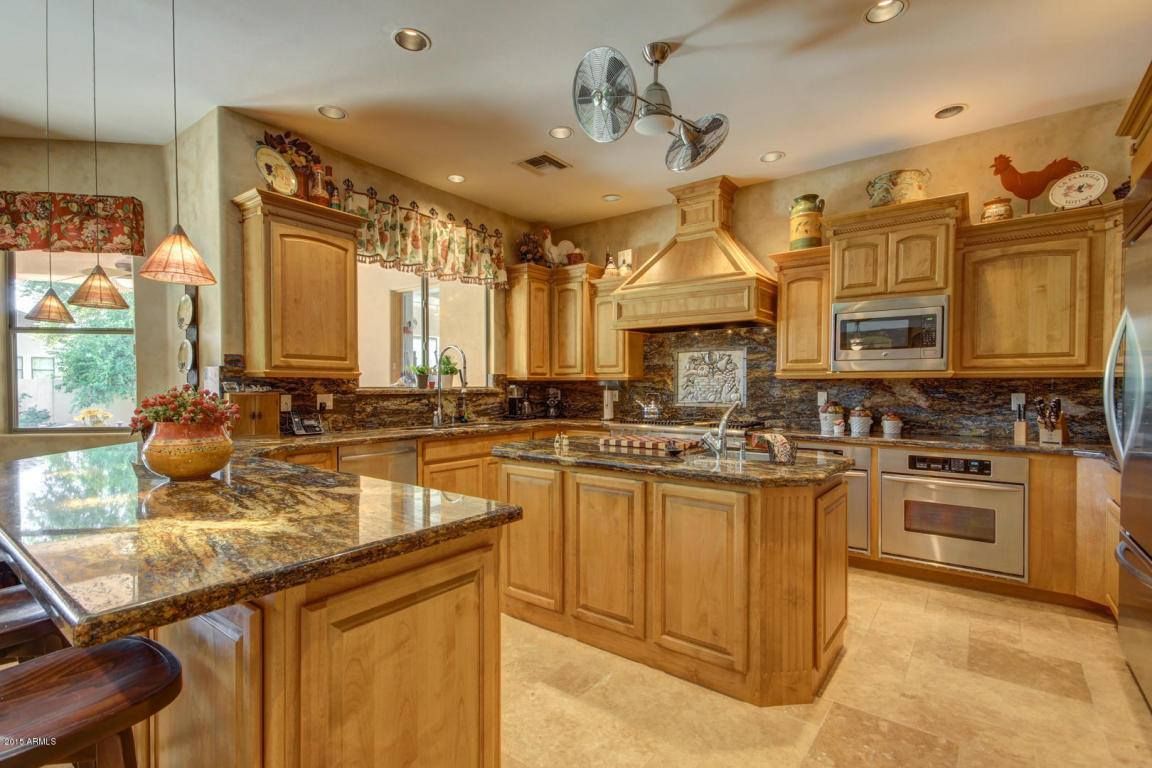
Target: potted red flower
{"x": 186, "y": 432}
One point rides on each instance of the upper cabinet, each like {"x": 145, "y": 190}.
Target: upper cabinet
{"x": 615, "y": 354}
{"x": 1035, "y": 293}
{"x": 896, "y": 249}
{"x": 804, "y": 312}
{"x": 299, "y": 287}
{"x": 552, "y": 333}
{"x": 1137, "y": 125}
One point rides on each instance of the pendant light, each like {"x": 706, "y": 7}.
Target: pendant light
{"x": 176, "y": 260}
{"x": 97, "y": 291}
{"x": 50, "y": 309}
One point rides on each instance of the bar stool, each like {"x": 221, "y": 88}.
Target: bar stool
{"x": 56, "y": 706}
{"x": 25, "y": 629}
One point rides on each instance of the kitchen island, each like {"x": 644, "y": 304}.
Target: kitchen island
{"x": 320, "y": 618}
{"x": 731, "y": 574}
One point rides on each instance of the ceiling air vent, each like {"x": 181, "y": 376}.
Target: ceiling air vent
{"x": 543, "y": 164}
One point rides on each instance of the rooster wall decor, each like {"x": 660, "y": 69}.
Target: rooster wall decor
{"x": 1028, "y": 185}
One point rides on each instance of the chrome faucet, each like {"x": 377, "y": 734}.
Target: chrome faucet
{"x": 438, "y": 415}
{"x": 718, "y": 444}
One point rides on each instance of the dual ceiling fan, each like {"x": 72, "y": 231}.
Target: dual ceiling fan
{"x": 606, "y": 102}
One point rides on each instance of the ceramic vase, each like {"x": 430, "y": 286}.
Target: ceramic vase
{"x": 861, "y": 425}
{"x": 901, "y": 186}
{"x": 805, "y": 222}
{"x": 187, "y": 451}
{"x": 892, "y": 428}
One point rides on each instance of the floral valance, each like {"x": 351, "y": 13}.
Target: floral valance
{"x": 25, "y": 217}
{"x": 405, "y": 238}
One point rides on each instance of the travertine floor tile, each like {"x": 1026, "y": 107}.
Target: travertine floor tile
{"x": 853, "y": 738}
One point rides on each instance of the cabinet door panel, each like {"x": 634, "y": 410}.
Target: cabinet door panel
{"x": 832, "y": 565}
{"x": 313, "y": 280}
{"x": 539, "y": 329}
{"x": 534, "y": 546}
{"x": 1026, "y": 306}
{"x": 609, "y": 350}
{"x": 394, "y": 672}
{"x": 917, "y": 259}
{"x": 568, "y": 331}
{"x": 803, "y": 334}
{"x": 858, "y": 265}
{"x": 216, "y": 720}
{"x": 464, "y": 477}
{"x": 699, "y": 573}
{"x": 605, "y": 551}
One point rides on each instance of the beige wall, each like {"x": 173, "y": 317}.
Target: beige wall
{"x": 133, "y": 170}
{"x": 957, "y": 165}
{"x": 238, "y": 136}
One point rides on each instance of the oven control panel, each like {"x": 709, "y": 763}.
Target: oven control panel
{"x": 952, "y": 465}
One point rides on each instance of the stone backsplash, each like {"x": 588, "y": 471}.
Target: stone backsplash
{"x": 978, "y": 407}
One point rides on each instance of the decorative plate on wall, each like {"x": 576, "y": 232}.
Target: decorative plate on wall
{"x": 184, "y": 312}
{"x": 184, "y": 357}
{"x": 1078, "y": 188}
{"x": 276, "y": 170}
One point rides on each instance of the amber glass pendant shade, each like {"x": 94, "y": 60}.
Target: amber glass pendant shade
{"x": 176, "y": 260}
{"x": 98, "y": 292}
{"x": 50, "y": 309}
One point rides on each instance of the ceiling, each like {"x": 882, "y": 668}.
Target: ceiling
{"x": 810, "y": 78}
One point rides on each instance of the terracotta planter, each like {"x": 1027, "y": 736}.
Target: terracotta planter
{"x": 187, "y": 451}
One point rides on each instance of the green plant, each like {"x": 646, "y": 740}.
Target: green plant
{"x": 421, "y": 370}
{"x": 32, "y": 416}
{"x": 448, "y": 367}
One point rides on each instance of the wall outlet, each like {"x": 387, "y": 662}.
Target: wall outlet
{"x": 285, "y": 403}
{"x": 821, "y": 398}
{"x": 1018, "y": 399}
{"x": 323, "y": 402}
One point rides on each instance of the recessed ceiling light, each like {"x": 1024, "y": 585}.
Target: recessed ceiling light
{"x": 331, "y": 112}
{"x": 771, "y": 157}
{"x": 560, "y": 132}
{"x": 456, "y": 178}
{"x": 412, "y": 39}
{"x": 950, "y": 111}
{"x": 610, "y": 198}
{"x": 885, "y": 10}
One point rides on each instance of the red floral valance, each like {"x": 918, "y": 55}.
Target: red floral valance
{"x": 24, "y": 223}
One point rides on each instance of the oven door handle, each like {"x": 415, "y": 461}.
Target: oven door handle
{"x": 1122, "y": 550}
{"x": 988, "y": 485}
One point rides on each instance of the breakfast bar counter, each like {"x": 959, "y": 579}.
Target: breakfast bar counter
{"x": 290, "y": 595}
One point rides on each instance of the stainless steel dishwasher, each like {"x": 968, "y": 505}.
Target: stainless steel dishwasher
{"x": 859, "y": 492}
{"x": 395, "y": 461}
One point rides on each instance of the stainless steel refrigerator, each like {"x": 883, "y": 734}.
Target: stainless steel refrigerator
{"x": 1130, "y": 429}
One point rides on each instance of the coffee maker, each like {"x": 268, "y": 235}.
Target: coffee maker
{"x": 553, "y": 403}
{"x": 516, "y": 402}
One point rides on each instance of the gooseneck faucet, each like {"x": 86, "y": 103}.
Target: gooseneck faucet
{"x": 718, "y": 444}
{"x": 438, "y": 416}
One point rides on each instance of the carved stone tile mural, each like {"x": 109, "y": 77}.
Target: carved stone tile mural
{"x": 710, "y": 376}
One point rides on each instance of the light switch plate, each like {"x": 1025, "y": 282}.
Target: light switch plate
{"x": 324, "y": 402}
{"x": 1018, "y": 398}
{"x": 821, "y": 398}
{"x": 285, "y": 403}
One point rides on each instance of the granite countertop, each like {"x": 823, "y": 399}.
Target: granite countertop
{"x": 808, "y": 470}
{"x": 111, "y": 549}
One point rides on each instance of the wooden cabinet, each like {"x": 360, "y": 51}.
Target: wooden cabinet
{"x": 217, "y": 719}
{"x": 803, "y": 317}
{"x": 259, "y": 414}
{"x": 464, "y": 464}
{"x": 616, "y": 354}
{"x": 698, "y": 604}
{"x": 549, "y": 321}
{"x": 896, "y": 249}
{"x": 1035, "y": 294}
{"x": 465, "y": 476}
{"x": 533, "y": 551}
{"x": 831, "y": 572}
{"x": 604, "y": 551}
{"x": 1097, "y": 532}
{"x": 1137, "y": 125}
{"x": 318, "y": 458}
{"x": 299, "y": 287}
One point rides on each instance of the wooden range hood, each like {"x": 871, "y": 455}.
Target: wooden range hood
{"x": 703, "y": 276}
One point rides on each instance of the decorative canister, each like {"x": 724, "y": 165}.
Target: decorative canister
{"x": 838, "y": 428}
{"x": 806, "y": 218}
{"x": 997, "y": 209}
{"x": 892, "y": 424}
{"x": 830, "y": 413}
{"x": 187, "y": 451}
{"x": 860, "y": 420}
{"x": 901, "y": 186}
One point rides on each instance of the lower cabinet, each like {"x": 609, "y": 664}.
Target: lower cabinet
{"x": 533, "y": 567}
{"x": 465, "y": 476}
{"x": 321, "y": 458}
{"x": 1097, "y": 532}
{"x": 831, "y": 572}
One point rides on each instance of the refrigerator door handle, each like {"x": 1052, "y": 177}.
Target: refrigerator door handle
{"x": 1119, "y": 442}
{"x": 1122, "y": 550}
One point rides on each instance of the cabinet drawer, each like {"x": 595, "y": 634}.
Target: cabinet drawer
{"x": 465, "y": 447}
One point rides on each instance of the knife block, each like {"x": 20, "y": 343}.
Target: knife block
{"x": 1057, "y": 436}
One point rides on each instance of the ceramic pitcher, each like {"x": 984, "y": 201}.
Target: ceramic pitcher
{"x": 805, "y": 222}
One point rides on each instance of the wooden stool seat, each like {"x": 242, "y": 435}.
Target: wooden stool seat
{"x": 22, "y": 620}
{"x": 80, "y": 697}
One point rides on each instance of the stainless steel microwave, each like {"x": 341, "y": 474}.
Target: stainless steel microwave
{"x": 891, "y": 334}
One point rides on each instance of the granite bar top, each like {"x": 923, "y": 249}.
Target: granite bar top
{"x": 111, "y": 549}
{"x": 809, "y": 469}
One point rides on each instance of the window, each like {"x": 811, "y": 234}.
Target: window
{"x": 82, "y": 375}
{"x": 406, "y": 319}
